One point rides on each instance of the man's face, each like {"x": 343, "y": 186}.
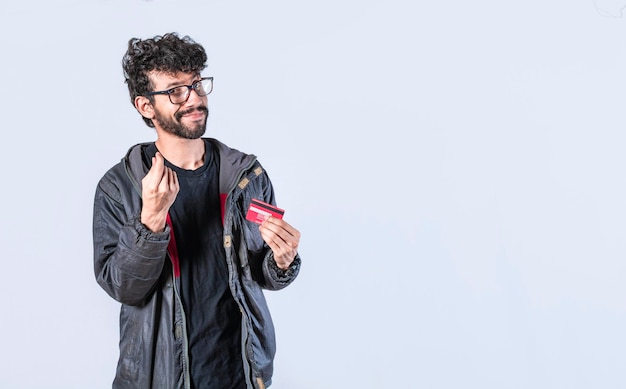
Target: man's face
{"x": 187, "y": 120}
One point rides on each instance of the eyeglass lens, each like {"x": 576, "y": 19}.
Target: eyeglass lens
{"x": 181, "y": 93}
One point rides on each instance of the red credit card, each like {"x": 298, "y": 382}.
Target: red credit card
{"x": 259, "y": 211}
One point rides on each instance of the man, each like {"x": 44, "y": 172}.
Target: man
{"x": 172, "y": 243}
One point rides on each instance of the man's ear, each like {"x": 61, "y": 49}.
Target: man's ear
{"x": 144, "y": 106}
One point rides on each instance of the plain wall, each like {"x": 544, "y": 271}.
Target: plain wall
{"x": 455, "y": 168}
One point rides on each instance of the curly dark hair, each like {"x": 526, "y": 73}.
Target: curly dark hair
{"x": 164, "y": 53}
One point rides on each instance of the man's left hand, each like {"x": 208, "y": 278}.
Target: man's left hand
{"x": 282, "y": 238}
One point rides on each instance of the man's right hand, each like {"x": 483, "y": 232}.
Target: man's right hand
{"x": 159, "y": 190}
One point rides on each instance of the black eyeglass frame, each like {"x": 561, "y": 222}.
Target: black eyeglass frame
{"x": 193, "y": 86}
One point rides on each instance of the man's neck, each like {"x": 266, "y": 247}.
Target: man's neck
{"x": 187, "y": 154}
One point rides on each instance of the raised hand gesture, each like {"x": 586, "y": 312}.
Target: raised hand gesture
{"x": 159, "y": 190}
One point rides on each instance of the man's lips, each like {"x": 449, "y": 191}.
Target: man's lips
{"x": 193, "y": 114}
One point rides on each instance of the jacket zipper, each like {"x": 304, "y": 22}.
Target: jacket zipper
{"x": 231, "y": 281}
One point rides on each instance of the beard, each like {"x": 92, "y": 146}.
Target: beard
{"x": 176, "y": 127}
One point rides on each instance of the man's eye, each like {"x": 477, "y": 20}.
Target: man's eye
{"x": 177, "y": 92}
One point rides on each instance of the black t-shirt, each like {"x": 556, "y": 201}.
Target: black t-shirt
{"x": 213, "y": 317}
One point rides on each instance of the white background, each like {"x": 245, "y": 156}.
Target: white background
{"x": 456, "y": 169}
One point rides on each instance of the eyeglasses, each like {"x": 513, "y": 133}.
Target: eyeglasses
{"x": 180, "y": 94}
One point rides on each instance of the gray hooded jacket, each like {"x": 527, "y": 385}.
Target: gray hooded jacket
{"x": 138, "y": 268}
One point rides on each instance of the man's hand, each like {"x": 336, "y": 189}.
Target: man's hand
{"x": 282, "y": 238}
{"x": 159, "y": 190}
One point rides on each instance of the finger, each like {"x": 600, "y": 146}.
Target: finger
{"x": 284, "y": 254}
{"x": 278, "y": 244}
{"x": 279, "y": 236}
{"x": 282, "y": 230}
{"x": 174, "y": 182}
{"x": 281, "y": 224}
{"x": 159, "y": 164}
{"x": 167, "y": 182}
{"x": 281, "y": 250}
{"x": 156, "y": 172}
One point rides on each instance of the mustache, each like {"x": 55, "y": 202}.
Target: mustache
{"x": 201, "y": 108}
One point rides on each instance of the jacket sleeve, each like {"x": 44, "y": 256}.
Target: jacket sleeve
{"x": 277, "y": 278}
{"x": 128, "y": 257}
